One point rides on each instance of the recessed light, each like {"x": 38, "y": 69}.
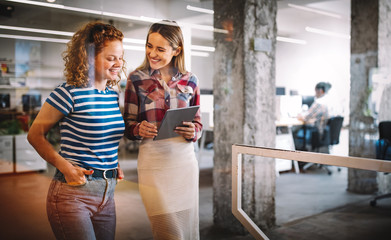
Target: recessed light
{"x": 198, "y": 9}
{"x": 327, "y": 33}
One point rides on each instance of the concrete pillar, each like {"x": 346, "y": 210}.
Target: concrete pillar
{"x": 244, "y": 93}
{"x": 384, "y": 180}
{"x": 384, "y": 42}
{"x": 362, "y": 129}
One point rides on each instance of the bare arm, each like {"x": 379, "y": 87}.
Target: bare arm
{"x": 47, "y": 117}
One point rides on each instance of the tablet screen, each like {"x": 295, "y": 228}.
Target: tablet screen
{"x": 174, "y": 118}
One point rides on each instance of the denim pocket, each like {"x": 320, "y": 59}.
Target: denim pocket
{"x": 78, "y": 185}
{"x": 60, "y": 177}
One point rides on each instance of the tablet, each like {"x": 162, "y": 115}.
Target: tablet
{"x": 174, "y": 118}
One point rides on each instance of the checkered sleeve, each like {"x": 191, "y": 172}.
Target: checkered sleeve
{"x": 131, "y": 109}
{"x": 195, "y": 101}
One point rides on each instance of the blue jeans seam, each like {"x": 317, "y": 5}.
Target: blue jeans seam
{"x": 102, "y": 205}
{"x": 55, "y": 198}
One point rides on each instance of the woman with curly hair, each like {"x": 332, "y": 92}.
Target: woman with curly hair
{"x": 80, "y": 201}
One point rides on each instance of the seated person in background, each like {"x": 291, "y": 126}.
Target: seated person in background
{"x": 333, "y": 102}
{"x": 316, "y": 116}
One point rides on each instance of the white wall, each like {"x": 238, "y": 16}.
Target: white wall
{"x": 202, "y": 67}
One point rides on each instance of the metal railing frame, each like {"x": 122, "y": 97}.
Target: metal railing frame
{"x": 311, "y": 157}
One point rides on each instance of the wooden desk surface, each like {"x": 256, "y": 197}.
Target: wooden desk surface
{"x": 286, "y": 122}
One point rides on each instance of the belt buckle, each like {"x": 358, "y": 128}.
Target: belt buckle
{"x": 104, "y": 174}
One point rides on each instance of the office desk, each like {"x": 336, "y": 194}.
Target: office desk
{"x": 284, "y": 140}
{"x": 288, "y": 122}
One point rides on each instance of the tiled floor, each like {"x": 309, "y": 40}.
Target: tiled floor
{"x": 312, "y": 205}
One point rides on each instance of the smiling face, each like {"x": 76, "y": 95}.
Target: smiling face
{"x": 159, "y": 52}
{"x": 108, "y": 63}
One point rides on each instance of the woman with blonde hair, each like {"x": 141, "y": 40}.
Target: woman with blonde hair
{"x": 167, "y": 169}
{"x": 80, "y": 201}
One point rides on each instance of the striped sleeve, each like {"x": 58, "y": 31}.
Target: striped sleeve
{"x": 61, "y": 99}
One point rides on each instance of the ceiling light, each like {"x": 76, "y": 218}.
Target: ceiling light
{"x": 137, "y": 48}
{"x": 55, "y": 40}
{"x": 123, "y": 16}
{"x": 70, "y": 34}
{"x": 37, "y": 30}
{"x": 43, "y": 4}
{"x": 197, "y": 9}
{"x": 110, "y": 14}
{"x": 58, "y": 40}
{"x": 149, "y": 19}
{"x": 61, "y": 33}
{"x": 133, "y": 40}
{"x": 57, "y": 6}
{"x": 327, "y": 33}
{"x": 291, "y": 40}
{"x": 199, "y": 54}
{"x": 202, "y": 48}
{"x": 313, "y": 10}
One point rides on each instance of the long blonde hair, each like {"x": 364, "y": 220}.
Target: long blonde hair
{"x": 173, "y": 34}
{"x": 85, "y": 44}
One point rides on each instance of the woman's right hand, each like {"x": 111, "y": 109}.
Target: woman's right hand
{"x": 147, "y": 130}
{"x": 75, "y": 176}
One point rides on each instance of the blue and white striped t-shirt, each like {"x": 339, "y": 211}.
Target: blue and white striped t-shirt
{"x": 92, "y": 126}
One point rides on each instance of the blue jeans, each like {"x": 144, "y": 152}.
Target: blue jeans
{"x": 82, "y": 212}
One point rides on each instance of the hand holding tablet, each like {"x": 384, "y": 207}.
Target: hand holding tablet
{"x": 186, "y": 129}
{"x": 147, "y": 130}
{"x": 172, "y": 121}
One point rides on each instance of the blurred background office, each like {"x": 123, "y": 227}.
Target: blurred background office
{"x": 313, "y": 44}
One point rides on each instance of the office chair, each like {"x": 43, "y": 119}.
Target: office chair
{"x": 330, "y": 137}
{"x": 383, "y": 151}
{"x": 319, "y": 143}
{"x": 300, "y": 137}
{"x": 335, "y": 124}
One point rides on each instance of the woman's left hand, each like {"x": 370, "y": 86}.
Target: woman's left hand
{"x": 187, "y": 130}
{"x": 120, "y": 174}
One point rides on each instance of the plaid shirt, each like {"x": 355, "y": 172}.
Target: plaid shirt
{"x": 148, "y": 97}
{"x": 318, "y": 114}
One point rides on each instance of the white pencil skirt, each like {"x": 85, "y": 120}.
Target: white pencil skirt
{"x": 168, "y": 182}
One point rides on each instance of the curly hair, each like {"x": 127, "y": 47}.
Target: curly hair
{"x": 173, "y": 34}
{"x": 85, "y": 44}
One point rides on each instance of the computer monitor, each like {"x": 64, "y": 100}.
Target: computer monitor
{"x": 280, "y": 91}
{"x": 288, "y": 106}
{"x": 4, "y": 100}
{"x": 31, "y": 101}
